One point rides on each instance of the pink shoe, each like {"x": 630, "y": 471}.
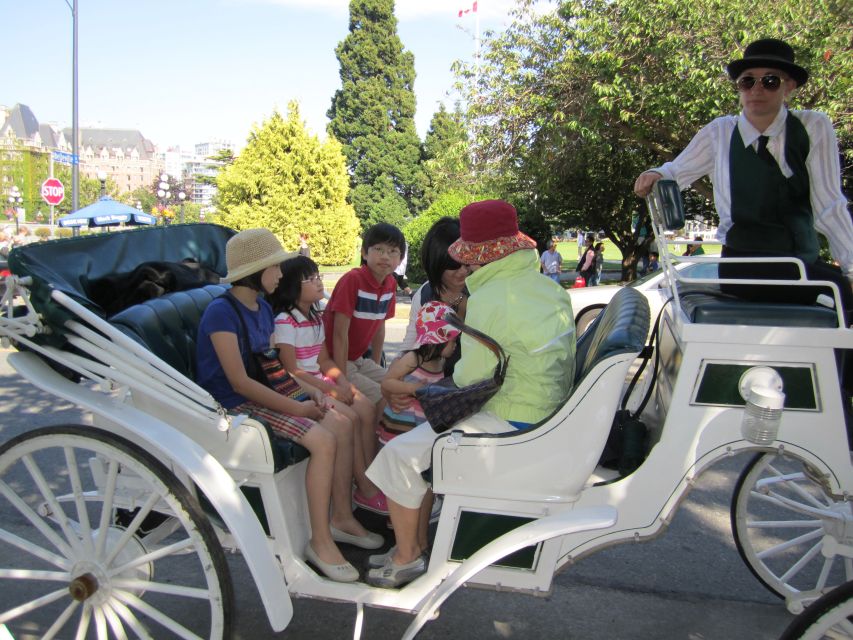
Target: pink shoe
{"x": 376, "y": 504}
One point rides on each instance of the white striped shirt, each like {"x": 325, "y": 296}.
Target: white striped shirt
{"x": 708, "y": 155}
{"x": 305, "y": 335}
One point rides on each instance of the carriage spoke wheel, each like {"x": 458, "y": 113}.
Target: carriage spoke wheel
{"x": 98, "y": 539}
{"x": 831, "y": 616}
{"x": 785, "y": 527}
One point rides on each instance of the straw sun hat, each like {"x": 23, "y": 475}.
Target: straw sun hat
{"x": 251, "y": 251}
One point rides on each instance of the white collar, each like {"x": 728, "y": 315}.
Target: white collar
{"x": 749, "y": 134}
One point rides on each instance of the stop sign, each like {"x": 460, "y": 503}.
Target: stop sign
{"x": 52, "y": 191}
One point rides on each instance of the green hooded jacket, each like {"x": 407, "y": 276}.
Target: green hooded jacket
{"x": 531, "y": 317}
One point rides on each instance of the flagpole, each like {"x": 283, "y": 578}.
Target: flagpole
{"x": 477, "y": 42}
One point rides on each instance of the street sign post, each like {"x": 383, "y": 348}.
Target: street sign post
{"x": 52, "y": 191}
{"x": 64, "y": 157}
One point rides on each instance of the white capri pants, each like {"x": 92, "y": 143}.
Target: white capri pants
{"x": 398, "y": 465}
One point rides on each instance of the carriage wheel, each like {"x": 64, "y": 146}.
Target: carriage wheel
{"x": 831, "y": 616}
{"x": 781, "y": 519}
{"x": 98, "y": 539}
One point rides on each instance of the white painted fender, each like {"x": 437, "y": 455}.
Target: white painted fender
{"x": 170, "y": 444}
{"x": 559, "y": 524}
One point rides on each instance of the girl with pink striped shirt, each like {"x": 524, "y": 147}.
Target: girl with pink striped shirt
{"x": 301, "y": 346}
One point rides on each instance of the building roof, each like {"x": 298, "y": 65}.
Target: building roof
{"x": 22, "y": 122}
{"x": 112, "y": 138}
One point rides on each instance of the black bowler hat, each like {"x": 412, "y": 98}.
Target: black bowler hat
{"x": 771, "y": 53}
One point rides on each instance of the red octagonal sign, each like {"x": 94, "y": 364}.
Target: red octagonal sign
{"x": 52, "y": 191}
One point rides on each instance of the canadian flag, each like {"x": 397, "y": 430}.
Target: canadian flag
{"x": 473, "y": 8}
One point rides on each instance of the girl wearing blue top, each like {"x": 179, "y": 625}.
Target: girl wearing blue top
{"x": 253, "y": 257}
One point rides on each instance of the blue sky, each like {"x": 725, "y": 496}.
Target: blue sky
{"x": 185, "y": 71}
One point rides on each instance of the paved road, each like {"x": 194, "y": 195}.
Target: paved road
{"x": 688, "y": 584}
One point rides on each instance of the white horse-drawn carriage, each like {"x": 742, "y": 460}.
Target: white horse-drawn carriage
{"x": 120, "y": 526}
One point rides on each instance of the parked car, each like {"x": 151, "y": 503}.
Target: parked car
{"x": 587, "y": 302}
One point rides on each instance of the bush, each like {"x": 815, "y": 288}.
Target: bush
{"x": 450, "y": 204}
{"x": 43, "y": 233}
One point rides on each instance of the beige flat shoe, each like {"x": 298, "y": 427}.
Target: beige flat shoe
{"x": 338, "y": 572}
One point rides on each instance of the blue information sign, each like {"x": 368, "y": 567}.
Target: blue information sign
{"x": 65, "y": 158}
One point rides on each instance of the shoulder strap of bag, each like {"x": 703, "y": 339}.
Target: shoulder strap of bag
{"x": 646, "y": 355}
{"x": 244, "y": 332}
{"x": 486, "y": 340}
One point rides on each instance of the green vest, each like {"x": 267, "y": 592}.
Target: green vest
{"x": 772, "y": 214}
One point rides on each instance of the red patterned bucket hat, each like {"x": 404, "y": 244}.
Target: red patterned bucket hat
{"x": 431, "y": 327}
{"x": 489, "y": 232}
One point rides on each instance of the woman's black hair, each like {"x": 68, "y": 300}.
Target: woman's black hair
{"x": 434, "y": 257}
{"x": 285, "y": 298}
{"x": 252, "y": 281}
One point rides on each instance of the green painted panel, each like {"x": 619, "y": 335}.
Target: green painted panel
{"x": 719, "y": 385}
{"x": 476, "y": 530}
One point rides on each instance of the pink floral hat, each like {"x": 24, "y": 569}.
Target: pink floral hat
{"x": 489, "y": 232}
{"x": 431, "y": 326}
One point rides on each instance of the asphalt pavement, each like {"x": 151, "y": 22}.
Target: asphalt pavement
{"x": 687, "y": 584}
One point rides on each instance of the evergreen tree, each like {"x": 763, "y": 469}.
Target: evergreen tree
{"x": 289, "y": 182}
{"x": 447, "y": 158}
{"x": 372, "y": 114}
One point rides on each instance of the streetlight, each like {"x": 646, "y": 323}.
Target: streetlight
{"x": 163, "y": 193}
{"x": 16, "y": 198}
{"x": 182, "y": 196}
{"x": 102, "y": 176}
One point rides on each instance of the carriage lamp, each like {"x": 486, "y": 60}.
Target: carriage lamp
{"x": 762, "y": 415}
{"x": 761, "y": 387}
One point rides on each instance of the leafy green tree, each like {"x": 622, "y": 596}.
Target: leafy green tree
{"x": 447, "y": 153}
{"x": 223, "y": 156}
{"x": 290, "y": 182}
{"x": 90, "y": 190}
{"x": 571, "y": 105}
{"x": 372, "y": 114}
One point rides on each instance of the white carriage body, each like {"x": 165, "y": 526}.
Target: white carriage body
{"x": 535, "y": 495}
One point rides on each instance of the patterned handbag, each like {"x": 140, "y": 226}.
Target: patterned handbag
{"x": 444, "y": 403}
{"x": 265, "y": 366}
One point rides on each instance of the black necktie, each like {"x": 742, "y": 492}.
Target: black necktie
{"x": 762, "y": 151}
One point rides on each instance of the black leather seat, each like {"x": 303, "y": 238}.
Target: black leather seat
{"x": 168, "y": 327}
{"x": 622, "y": 327}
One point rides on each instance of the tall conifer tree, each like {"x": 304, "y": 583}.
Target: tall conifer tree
{"x": 373, "y": 112}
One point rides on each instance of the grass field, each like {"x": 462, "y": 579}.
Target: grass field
{"x": 613, "y": 256}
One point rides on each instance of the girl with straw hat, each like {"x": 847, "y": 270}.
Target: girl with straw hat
{"x": 253, "y": 258}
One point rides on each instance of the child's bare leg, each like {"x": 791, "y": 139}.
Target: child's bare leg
{"x": 359, "y": 464}
{"x": 342, "y": 518}
{"x": 318, "y": 483}
{"x": 369, "y": 417}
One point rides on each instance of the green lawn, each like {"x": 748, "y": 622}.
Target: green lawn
{"x": 612, "y": 255}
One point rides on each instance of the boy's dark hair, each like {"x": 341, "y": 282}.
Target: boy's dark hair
{"x": 434, "y": 257}
{"x": 285, "y": 298}
{"x": 252, "y": 281}
{"x": 600, "y": 245}
{"x": 382, "y": 232}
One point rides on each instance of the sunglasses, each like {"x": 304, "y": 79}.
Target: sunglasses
{"x": 769, "y": 82}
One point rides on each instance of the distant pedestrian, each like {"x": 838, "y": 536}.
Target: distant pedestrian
{"x": 552, "y": 261}
{"x": 586, "y": 265}
{"x": 400, "y": 276}
{"x": 304, "y": 249}
{"x": 581, "y": 246}
{"x": 595, "y": 278}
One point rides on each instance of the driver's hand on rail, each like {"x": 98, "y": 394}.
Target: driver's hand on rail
{"x": 645, "y": 181}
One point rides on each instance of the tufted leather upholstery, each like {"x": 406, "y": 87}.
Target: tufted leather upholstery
{"x": 622, "y": 327}
{"x": 168, "y": 327}
{"x": 705, "y": 308}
